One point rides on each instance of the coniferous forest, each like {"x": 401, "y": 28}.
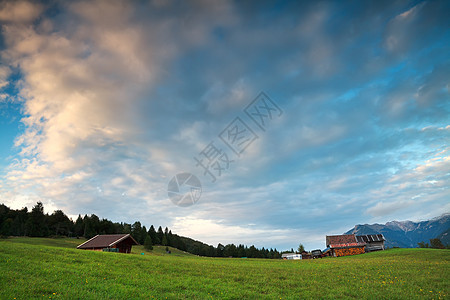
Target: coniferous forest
{"x": 36, "y": 223}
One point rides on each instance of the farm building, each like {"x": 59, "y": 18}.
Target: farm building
{"x": 306, "y": 255}
{"x": 373, "y": 242}
{"x": 291, "y": 256}
{"x": 110, "y": 242}
{"x": 342, "y": 245}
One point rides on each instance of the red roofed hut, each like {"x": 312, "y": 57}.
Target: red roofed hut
{"x": 110, "y": 242}
{"x": 342, "y": 245}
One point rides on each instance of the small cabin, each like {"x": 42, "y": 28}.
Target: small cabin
{"x": 110, "y": 242}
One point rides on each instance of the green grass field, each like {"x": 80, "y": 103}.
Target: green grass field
{"x": 53, "y": 268}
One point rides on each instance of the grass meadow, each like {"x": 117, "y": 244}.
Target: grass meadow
{"x": 38, "y": 268}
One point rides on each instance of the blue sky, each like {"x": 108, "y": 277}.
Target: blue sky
{"x": 103, "y": 102}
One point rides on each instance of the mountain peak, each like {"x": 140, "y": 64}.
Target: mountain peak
{"x": 407, "y": 234}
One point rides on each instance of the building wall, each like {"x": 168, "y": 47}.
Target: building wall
{"x": 93, "y": 249}
{"x": 124, "y": 247}
{"x": 348, "y": 251}
{"x": 374, "y": 246}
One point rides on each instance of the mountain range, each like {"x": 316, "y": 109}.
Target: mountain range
{"x": 406, "y": 234}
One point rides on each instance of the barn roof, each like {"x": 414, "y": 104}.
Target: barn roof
{"x": 105, "y": 241}
{"x": 369, "y": 238}
{"x": 341, "y": 241}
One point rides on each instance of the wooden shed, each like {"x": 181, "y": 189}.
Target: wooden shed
{"x": 110, "y": 242}
{"x": 373, "y": 242}
{"x": 342, "y": 245}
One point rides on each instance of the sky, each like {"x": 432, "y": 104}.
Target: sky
{"x": 298, "y": 119}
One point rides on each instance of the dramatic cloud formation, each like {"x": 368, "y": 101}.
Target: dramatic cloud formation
{"x": 117, "y": 97}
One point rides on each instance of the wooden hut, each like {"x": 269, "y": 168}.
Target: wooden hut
{"x": 342, "y": 245}
{"x": 110, "y": 242}
{"x": 373, "y": 242}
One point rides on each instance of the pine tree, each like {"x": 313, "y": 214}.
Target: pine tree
{"x": 79, "y": 228}
{"x": 136, "y": 231}
{"x": 148, "y": 243}
{"x": 154, "y": 236}
{"x": 36, "y": 223}
{"x": 143, "y": 234}
{"x": 170, "y": 239}
{"x": 160, "y": 234}
{"x": 164, "y": 241}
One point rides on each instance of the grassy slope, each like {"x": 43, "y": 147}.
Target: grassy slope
{"x": 29, "y": 268}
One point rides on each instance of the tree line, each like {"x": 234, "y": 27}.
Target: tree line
{"x": 434, "y": 243}
{"x": 36, "y": 223}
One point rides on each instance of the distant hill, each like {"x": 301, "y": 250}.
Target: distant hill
{"x": 407, "y": 234}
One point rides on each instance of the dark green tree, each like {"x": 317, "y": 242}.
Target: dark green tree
{"x": 148, "y": 243}
{"x": 220, "y": 249}
{"x": 170, "y": 239}
{"x": 160, "y": 234}
{"x": 107, "y": 227}
{"x": 90, "y": 226}
{"x": 136, "y": 232}
{"x": 36, "y": 224}
{"x": 241, "y": 251}
{"x": 436, "y": 244}
{"x": 230, "y": 250}
{"x": 164, "y": 241}
{"x": 6, "y": 227}
{"x": 60, "y": 224}
{"x": 300, "y": 248}
{"x": 143, "y": 234}
{"x": 252, "y": 252}
{"x": 126, "y": 228}
{"x": 78, "y": 227}
{"x": 154, "y": 236}
{"x": 19, "y": 224}
{"x": 423, "y": 245}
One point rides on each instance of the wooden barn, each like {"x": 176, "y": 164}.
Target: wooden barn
{"x": 110, "y": 242}
{"x": 342, "y": 245}
{"x": 373, "y": 242}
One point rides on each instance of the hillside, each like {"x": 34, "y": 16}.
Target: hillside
{"x": 407, "y": 234}
{"x": 37, "y": 224}
{"x": 31, "y": 268}
{"x": 445, "y": 237}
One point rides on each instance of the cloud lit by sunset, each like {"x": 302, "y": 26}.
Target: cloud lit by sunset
{"x": 103, "y": 102}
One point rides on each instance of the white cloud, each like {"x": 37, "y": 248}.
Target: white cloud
{"x": 4, "y": 74}
{"x": 19, "y": 11}
{"x": 120, "y": 96}
{"x": 79, "y": 92}
{"x": 214, "y": 232}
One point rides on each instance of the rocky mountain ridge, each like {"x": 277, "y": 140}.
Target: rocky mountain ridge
{"x": 406, "y": 234}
